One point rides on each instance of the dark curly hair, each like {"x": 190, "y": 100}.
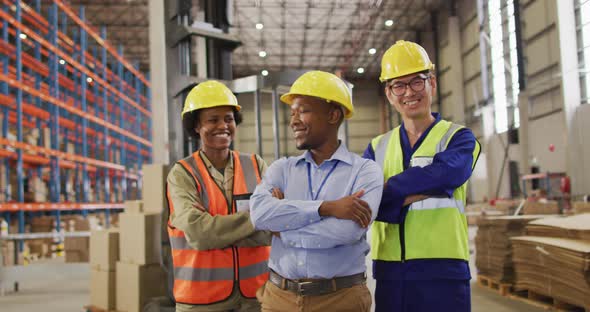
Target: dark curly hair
{"x": 190, "y": 120}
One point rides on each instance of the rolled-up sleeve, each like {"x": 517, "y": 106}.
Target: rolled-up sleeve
{"x": 269, "y": 213}
{"x": 202, "y": 230}
{"x": 332, "y": 232}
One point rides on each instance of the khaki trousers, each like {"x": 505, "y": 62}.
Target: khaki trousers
{"x": 353, "y": 299}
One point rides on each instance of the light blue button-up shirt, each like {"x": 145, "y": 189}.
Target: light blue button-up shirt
{"x": 311, "y": 246}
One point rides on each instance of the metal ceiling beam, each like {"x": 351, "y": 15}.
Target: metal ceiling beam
{"x": 354, "y": 27}
{"x": 239, "y": 23}
{"x": 283, "y": 33}
{"x": 386, "y": 38}
{"x": 325, "y": 39}
{"x": 305, "y": 27}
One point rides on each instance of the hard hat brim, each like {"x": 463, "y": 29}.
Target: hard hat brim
{"x": 237, "y": 106}
{"x": 407, "y": 72}
{"x": 288, "y": 98}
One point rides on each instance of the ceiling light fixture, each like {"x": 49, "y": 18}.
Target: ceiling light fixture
{"x": 360, "y": 70}
{"x": 389, "y": 23}
{"x": 89, "y": 80}
{"x": 262, "y": 53}
{"x": 372, "y": 51}
{"x": 264, "y": 72}
{"x": 259, "y": 26}
{"x": 23, "y": 36}
{"x": 62, "y": 62}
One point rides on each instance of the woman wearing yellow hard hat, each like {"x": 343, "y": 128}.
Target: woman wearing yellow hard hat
{"x": 219, "y": 260}
{"x": 419, "y": 241}
{"x": 330, "y": 197}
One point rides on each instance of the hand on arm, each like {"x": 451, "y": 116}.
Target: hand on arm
{"x": 271, "y": 213}
{"x": 348, "y": 208}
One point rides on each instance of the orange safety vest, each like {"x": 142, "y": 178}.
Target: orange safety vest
{"x": 208, "y": 276}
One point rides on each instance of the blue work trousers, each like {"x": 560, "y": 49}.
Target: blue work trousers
{"x": 422, "y": 295}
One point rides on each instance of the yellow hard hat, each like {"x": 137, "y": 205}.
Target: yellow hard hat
{"x": 322, "y": 85}
{"x": 209, "y": 94}
{"x": 404, "y": 58}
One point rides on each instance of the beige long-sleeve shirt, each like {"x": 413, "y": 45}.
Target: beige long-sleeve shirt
{"x": 204, "y": 231}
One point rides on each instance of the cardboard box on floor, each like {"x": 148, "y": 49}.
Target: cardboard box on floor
{"x": 7, "y": 250}
{"x": 77, "y": 249}
{"x": 153, "y": 187}
{"x": 104, "y": 249}
{"x": 139, "y": 238}
{"x": 540, "y": 207}
{"x": 103, "y": 292}
{"x": 136, "y": 284}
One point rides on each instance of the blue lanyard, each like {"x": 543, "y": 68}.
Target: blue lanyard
{"x": 323, "y": 182}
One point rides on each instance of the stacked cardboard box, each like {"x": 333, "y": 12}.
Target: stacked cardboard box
{"x": 154, "y": 193}
{"x": 7, "y": 251}
{"x": 41, "y": 248}
{"x": 104, "y": 254}
{"x": 153, "y": 187}
{"x": 581, "y": 207}
{"x": 493, "y": 256}
{"x": 77, "y": 249}
{"x": 139, "y": 274}
{"x": 38, "y": 191}
{"x": 7, "y": 247}
{"x": 540, "y": 207}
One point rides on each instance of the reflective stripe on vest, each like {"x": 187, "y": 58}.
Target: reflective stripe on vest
{"x": 435, "y": 203}
{"x": 208, "y": 276}
{"x": 434, "y": 227}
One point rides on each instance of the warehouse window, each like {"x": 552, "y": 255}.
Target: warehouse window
{"x": 504, "y": 64}
{"x": 583, "y": 34}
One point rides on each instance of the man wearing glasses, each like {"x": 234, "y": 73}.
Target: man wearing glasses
{"x": 419, "y": 242}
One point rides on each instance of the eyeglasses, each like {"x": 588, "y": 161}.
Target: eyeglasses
{"x": 417, "y": 84}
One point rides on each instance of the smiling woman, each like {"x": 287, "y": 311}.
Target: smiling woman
{"x": 209, "y": 219}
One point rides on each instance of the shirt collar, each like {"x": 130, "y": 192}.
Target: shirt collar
{"x": 342, "y": 154}
{"x": 209, "y": 164}
{"x": 436, "y": 116}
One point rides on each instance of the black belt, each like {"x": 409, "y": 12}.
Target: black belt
{"x": 316, "y": 287}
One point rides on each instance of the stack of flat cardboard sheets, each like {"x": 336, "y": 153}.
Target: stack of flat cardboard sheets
{"x": 493, "y": 256}
{"x": 554, "y": 258}
{"x": 555, "y": 267}
{"x": 573, "y": 227}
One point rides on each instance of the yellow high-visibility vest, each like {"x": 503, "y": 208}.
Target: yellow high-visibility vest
{"x": 434, "y": 228}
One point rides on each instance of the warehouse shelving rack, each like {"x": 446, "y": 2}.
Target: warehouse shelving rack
{"x": 59, "y": 73}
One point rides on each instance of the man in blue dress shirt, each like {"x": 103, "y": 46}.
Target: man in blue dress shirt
{"x": 319, "y": 206}
{"x": 419, "y": 240}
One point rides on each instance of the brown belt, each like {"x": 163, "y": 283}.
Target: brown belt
{"x": 316, "y": 287}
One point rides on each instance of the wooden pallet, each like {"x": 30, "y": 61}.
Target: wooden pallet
{"x": 504, "y": 289}
{"x": 545, "y": 302}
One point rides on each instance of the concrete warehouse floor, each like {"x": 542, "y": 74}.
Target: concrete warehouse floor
{"x": 59, "y": 287}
